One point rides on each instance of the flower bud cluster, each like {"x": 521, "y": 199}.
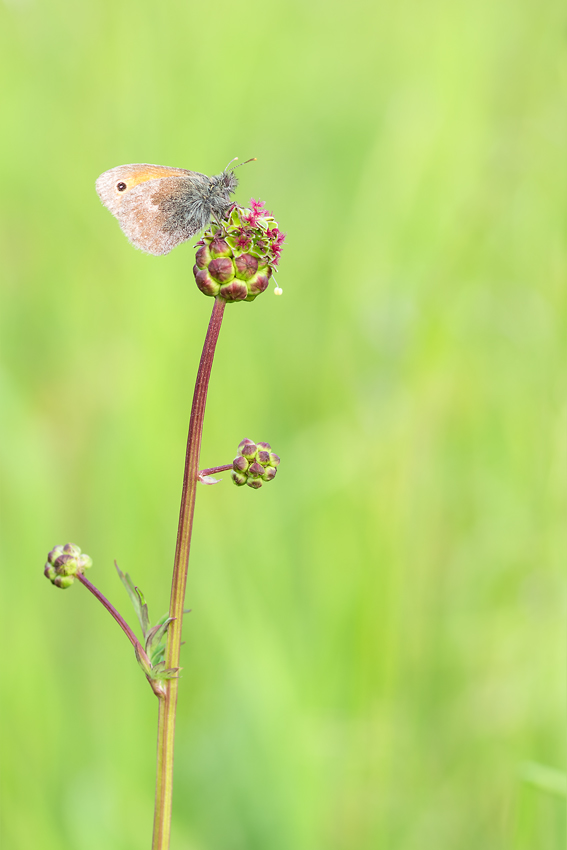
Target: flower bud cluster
{"x": 64, "y": 563}
{"x": 254, "y": 464}
{"x": 236, "y": 259}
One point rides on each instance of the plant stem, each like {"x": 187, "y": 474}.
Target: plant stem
{"x": 156, "y": 686}
{"x": 214, "y": 469}
{"x": 168, "y": 705}
{"x": 112, "y": 610}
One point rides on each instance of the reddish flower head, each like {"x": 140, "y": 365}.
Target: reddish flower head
{"x": 236, "y": 259}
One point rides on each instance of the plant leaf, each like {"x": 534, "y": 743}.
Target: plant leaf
{"x": 137, "y": 599}
{"x": 208, "y": 479}
{"x": 144, "y": 615}
{"x": 158, "y": 655}
{"x": 156, "y": 635}
{"x": 161, "y": 672}
{"x": 162, "y": 619}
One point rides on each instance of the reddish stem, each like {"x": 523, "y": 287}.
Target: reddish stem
{"x": 213, "y": 469}
{"x": 167, "y": 706}
{"x": 156, "y": 685}
{"x": 112, "y": 610}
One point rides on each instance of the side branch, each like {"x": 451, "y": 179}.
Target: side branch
{"x": 143, "y": 660}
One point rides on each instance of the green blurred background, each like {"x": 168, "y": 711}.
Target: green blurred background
{"x": 376, "y": 643}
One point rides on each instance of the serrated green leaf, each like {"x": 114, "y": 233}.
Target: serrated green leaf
{"x": 144, "y": 615}
{"x": 158, "y": 650}
{"x": 158, "y": 656}
{"x": 162, "y": 619}
{"x": 161, "y": 672}
{"x": 130, "y": 588}
{"x": 137, "y": 599}
{"x": 156, "y": 635}
{"x": 170, "y": 673}
{"x": 128, "y": 584}
{"x": 150, "y": 637}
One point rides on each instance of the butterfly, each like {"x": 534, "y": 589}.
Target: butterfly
{"x": 159, "y": 207}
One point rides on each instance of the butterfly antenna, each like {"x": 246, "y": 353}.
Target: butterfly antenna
{"x": 253, "y": 159}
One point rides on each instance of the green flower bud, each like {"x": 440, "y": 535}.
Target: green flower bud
{"x": 254, "y": 464}
{"x": 255, "y": 483}
{"x": 236, "y": 259}
{"x": 220, "y": 248}
{"x": 203, "y": 257}
{"x": 240, "y": 464}
{"x": 247, "y": 449}
{"x": 64, "y": 563}
{"x": 234, "y": 291}
{"x": 246, "y": 266}
{"x": 222, "y": 269}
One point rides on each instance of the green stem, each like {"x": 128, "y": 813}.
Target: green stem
{"x": 168, "y": 705}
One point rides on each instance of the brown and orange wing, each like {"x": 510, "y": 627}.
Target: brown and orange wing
{"x": 133, "y": 194}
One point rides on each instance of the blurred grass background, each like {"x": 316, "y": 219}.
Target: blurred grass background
{"x": 376, "y": 643}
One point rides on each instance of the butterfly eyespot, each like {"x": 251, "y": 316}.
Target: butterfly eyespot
{"x": 121, "y": 186}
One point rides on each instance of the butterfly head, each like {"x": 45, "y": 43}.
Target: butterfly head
{"x": 224, "y": 183}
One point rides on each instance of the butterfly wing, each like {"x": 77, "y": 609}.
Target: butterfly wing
{"x": 153, "y": 203}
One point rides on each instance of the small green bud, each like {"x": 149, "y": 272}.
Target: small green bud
{"x": 222, "y": 269}
{"x": 219, "y": 248}
{"x": 246, "y": 266}
{"x": 254, "y": 464}
{"x": 64, "y": 563}
{"x": 247, "y": 449}
{"x": 257, "y": 284}
{"x": 203, "y": 257}
{"x": 255, "y": 483}
{"x": 205, "y": 282}
{"x": 238, "y": 478}
{"x": 240, "y": 464}
{"x": 236, "y": 290}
